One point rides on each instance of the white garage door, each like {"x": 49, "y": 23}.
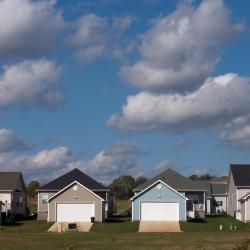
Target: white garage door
{"x": 159, "y": 211}
{"x": 75, "y": 212}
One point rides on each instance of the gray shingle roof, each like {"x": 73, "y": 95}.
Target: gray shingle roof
{"x": 204, "y": 184}
{"x": 9, "y": 180}
{"x": 241, "y": 174}
{"x": 68, "y": 178}
{"x": 218, "y": 188}
{"x": 174, "y": 180}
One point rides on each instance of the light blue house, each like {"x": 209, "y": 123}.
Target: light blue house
{"x": 168, "y": 197}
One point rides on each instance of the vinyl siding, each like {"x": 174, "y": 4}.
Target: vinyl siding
{"x": 81, "y": 195}
{"x": 232, "y": 197}
{"x": 165, "y": 194}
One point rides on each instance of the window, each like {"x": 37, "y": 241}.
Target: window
{"x": 218, "y": 203}
{"x": 45, "y": 198}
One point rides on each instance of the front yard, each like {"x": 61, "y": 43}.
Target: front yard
{"x": 120, "y": 233}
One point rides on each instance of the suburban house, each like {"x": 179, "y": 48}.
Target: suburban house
{"x": 74, "y": 197}
{"x": 168, "y": 197}
{"x": 12, "y": 195}
{"x": 238, "y": 189}
{"x": 216, "y": 195}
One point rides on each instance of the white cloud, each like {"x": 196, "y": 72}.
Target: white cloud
{"x": 30, "y": 83}
{"x": 123, "y": 22}
{"x": 28, "y": 28}
{"x": 9, "y": 141}
{"x": 215, "y": 103}
{"x": 47, "y": 164}
{"x": 90, "y": 37}
{"x": 181, "y": 49}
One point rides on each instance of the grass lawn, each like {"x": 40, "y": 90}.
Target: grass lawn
{"x": 122, "y": 234}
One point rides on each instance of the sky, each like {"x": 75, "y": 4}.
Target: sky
{"x": 117, "y": 87}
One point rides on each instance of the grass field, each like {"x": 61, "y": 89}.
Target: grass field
{"x": 122, "y": 234}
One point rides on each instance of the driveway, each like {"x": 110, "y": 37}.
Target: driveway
{"x": 159, "y": 226}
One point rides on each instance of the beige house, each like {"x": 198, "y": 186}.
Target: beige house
{"x": 74, "y": 197}
{"x": 238, "y": 192}
{"x": 12, "y": 194}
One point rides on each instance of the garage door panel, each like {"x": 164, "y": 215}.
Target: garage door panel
{"x": 159, "y": 211}
{"x": 75, "y": 212}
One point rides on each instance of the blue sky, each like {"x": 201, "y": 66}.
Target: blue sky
{"x": 68, "y": 69}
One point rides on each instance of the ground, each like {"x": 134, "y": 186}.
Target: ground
{"x": 120, "y": 233}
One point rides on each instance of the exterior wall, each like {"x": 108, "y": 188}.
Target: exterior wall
{"x": 232, "y": 197}
{"x": 220, "y": 208}
{"x": 245, "y": 210}
{"x": 208, "y": 206}
{"x": 42, "y": 209}
{"x": 164, "y": 194}
{"x": 81, "y": 195}
{"x": 199, "y": 197}
{"x": 6, "y": 198}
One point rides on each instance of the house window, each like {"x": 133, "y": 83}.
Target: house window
{"x": 45, "y": 198}
{"x": 218, "y": 203}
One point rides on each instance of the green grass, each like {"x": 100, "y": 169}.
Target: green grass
{"x": 120, "y": 233}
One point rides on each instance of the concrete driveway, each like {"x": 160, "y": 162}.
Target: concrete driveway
{"x": 160, "y": 226}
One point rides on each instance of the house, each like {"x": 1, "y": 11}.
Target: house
{"x": 12, "y": 195}
{"x": 238, "y": 203}
{"x": 169, "y": 196}
{"x": 216, "y": 194}
{"x": 74, "y": 197}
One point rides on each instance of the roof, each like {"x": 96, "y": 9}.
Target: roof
{"x": 174, "y": 180}
{"x": 218, "y": 188}
{"x": 241, "y": 175}
{"x": 9, "y": 180}
{"x": 71, "y": 184}
{"x": 158, "y": 181}
{"x": 68, "y": 178}
{"x": 205, "y": 184}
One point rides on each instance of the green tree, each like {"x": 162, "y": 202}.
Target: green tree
{"x": 32, "y": 187}
{"x": 140, "y": 180}
{"x": 123, "y": 186}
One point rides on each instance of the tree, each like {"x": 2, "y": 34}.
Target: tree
{"x": 123, "y": 186}
{"x": 203, "y": 177}
{"x": 140, "y": 180}
{"x": 32, "y": 187}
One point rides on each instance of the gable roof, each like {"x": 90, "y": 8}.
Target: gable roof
{"x": 204, "y": 184}
{"x": 241, "y": 174}
{"x": 174, "y": 180}
{"x": 71, "y": 184}
{"x": 153, "y": 184}
{"x": 74, "y": 175}
{"x": 9, "y": 180}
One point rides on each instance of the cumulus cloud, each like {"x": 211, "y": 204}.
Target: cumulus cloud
{"x": 9, "y": 141}
{"x": 30, "y": 83}
{"x": 215, "y": 103}
{"x": 90, "y": 36}
{"x": 119, "y": 159}
{"x": 28, "y": 28}
{"x": 181, "y": 49}
{"x": 124, "y": 22}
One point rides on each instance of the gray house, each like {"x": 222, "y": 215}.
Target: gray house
{"x": 216, "y": 194}
{"x": 238, "y": 204}
{"x": 12, "y": 194}
{"x": 168, "y": 196}
{"x": 74, "y": 197}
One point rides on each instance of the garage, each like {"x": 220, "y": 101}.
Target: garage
{"x": 74, "y": 212}
{"x": 159, "y": 211}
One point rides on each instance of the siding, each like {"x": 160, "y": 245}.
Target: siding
{"x": 42, "y": 209}
{"x": 232, "y": 200}
{"x": 165, "y": 194}
{"x": 81, "y": 195}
